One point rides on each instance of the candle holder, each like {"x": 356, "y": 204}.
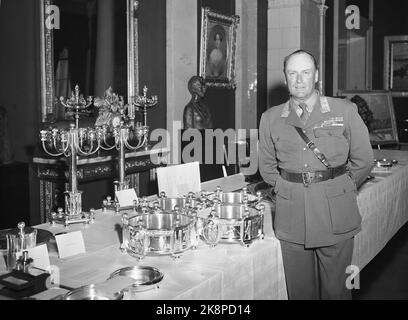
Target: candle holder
{"x": 77, "y": 105}
{"x": 118, "y": 131}
{"x": 71, "y": 143}
{"x": 144, "y": 103}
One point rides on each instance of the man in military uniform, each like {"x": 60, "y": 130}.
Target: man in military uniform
{"x": 315, "y": 179}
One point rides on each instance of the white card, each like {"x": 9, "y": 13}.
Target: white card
{"x": 179, "y": 180}
{"x": 126, "y": 197}
{"x": 70, "y": 244}
{"x": 3, "y": 266}
{"x": 40, "y": 256}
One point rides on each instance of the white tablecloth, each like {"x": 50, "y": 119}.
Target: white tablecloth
{"x": 383, "y": 206}
{"x": 228, "y": 271}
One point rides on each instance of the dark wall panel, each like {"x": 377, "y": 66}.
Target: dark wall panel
{"x": 152, "y": 57}
{"x": 262, "y": 69}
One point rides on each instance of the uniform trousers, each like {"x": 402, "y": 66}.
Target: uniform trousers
{"x": 317, "y": 273}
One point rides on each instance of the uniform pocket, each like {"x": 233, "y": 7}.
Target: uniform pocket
{"x": 343, "y": 207}
{"x": 283, "y": 214}
{"x": 331, "y": 142}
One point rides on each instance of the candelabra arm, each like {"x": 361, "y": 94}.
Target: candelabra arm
{"x": 140, "y": 144}
{"x": 51, "y": 153}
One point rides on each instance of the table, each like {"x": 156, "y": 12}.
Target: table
{"x": 230, "y": 271}
{"x": 383, "y": 205}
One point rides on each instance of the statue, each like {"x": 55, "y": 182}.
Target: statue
{"x": 196, "y": 114}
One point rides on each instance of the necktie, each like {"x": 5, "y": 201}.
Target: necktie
{"x": 305, "y": 114}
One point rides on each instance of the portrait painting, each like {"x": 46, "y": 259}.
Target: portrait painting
{"x": 396, "y": 64}
{"x": 377, "y": 111}
{"x": 218, "y": 46}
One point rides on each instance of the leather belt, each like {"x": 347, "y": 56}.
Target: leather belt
{"x": 312, "y": 177}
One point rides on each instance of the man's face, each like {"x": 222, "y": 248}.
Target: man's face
{"x": 301, "y": 76}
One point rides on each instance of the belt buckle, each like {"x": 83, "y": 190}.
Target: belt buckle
{"x": 307, "y": 178}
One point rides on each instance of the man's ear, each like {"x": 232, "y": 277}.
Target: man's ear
{"x": 317, "y": 76}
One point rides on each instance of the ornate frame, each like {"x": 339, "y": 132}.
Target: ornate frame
{"x": 389, "y": 64}
{"x": 229, "y": 24}
{"x": 47, "y": 60}
{"x": 381, "y": 104}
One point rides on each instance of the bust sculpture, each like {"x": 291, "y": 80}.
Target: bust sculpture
{"x": 196, "y": 113}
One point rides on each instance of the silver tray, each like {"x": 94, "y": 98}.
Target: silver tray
{"x": 91, "y": 292}
{"x": 145, "y": 278}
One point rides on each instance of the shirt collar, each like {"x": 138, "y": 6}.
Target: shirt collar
{"x": 310, "y": 102}
{"x": 324, "y": 105}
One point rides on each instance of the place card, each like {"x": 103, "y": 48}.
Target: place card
{"x": 179, "y": 180}
{"x": 3, "y": 266}
{"x": 70, "y": 244}
{"x": 126, "y": 197}
{"x": 40, "y": 256}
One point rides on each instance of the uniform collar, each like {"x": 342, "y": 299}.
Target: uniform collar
{"x": 324, "y": 105}
{"x": 320, "y": 108}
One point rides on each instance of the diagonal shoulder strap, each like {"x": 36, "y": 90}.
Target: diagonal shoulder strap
{"x": 313, "y": 147}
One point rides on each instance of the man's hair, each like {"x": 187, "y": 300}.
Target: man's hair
{"x": 286, "y": 59}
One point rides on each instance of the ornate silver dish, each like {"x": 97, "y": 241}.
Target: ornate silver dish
{"x": 158, "y": 233}
{"x": 236, "y": 223}
{"x": 91, "y": 292}
{"x": 385, "y": 163}
{"x": 145, "y": 278}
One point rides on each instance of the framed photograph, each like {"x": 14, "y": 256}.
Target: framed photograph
{"x": 396, "y": 64}
{"x": 217, "y": 50}
{"x": 377, "y": 111}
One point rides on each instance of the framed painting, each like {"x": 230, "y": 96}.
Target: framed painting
{"x": 396, "y": 64}
{"x": 377, "y": 111}
{"x": 217, "y": 49}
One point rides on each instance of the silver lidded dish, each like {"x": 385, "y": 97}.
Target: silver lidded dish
{"x": 91, "y": 292}
{"x": 145, "y": 277}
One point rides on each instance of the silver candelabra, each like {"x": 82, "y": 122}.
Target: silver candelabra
{"x": 145, "y": 103}
{"x": 116, "y": 133}
{"x": 71, "y": 143}
{"x": 123, "y": 136}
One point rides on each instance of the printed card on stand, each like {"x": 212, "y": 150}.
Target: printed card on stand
{"x": 70, "y": 244}
{"x": 126, "y": 197}
{"x": 179, "y": 180}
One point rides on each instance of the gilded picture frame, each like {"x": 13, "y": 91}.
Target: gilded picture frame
{"x": 218, "y": 48}
{"x": 396, "y": 64}
{"x": 382, "y": 125}
{"x": 49, "y": 99}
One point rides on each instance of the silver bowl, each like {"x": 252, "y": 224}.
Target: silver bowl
{"x": 145, "y": 278}
{"x": 91, "y": 292}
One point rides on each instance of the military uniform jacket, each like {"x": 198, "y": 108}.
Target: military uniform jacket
{"x": 326, "y": 212}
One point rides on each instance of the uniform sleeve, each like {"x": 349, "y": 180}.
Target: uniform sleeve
{"x": 361, "y": 157}
{"x": 267, "y": 155}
